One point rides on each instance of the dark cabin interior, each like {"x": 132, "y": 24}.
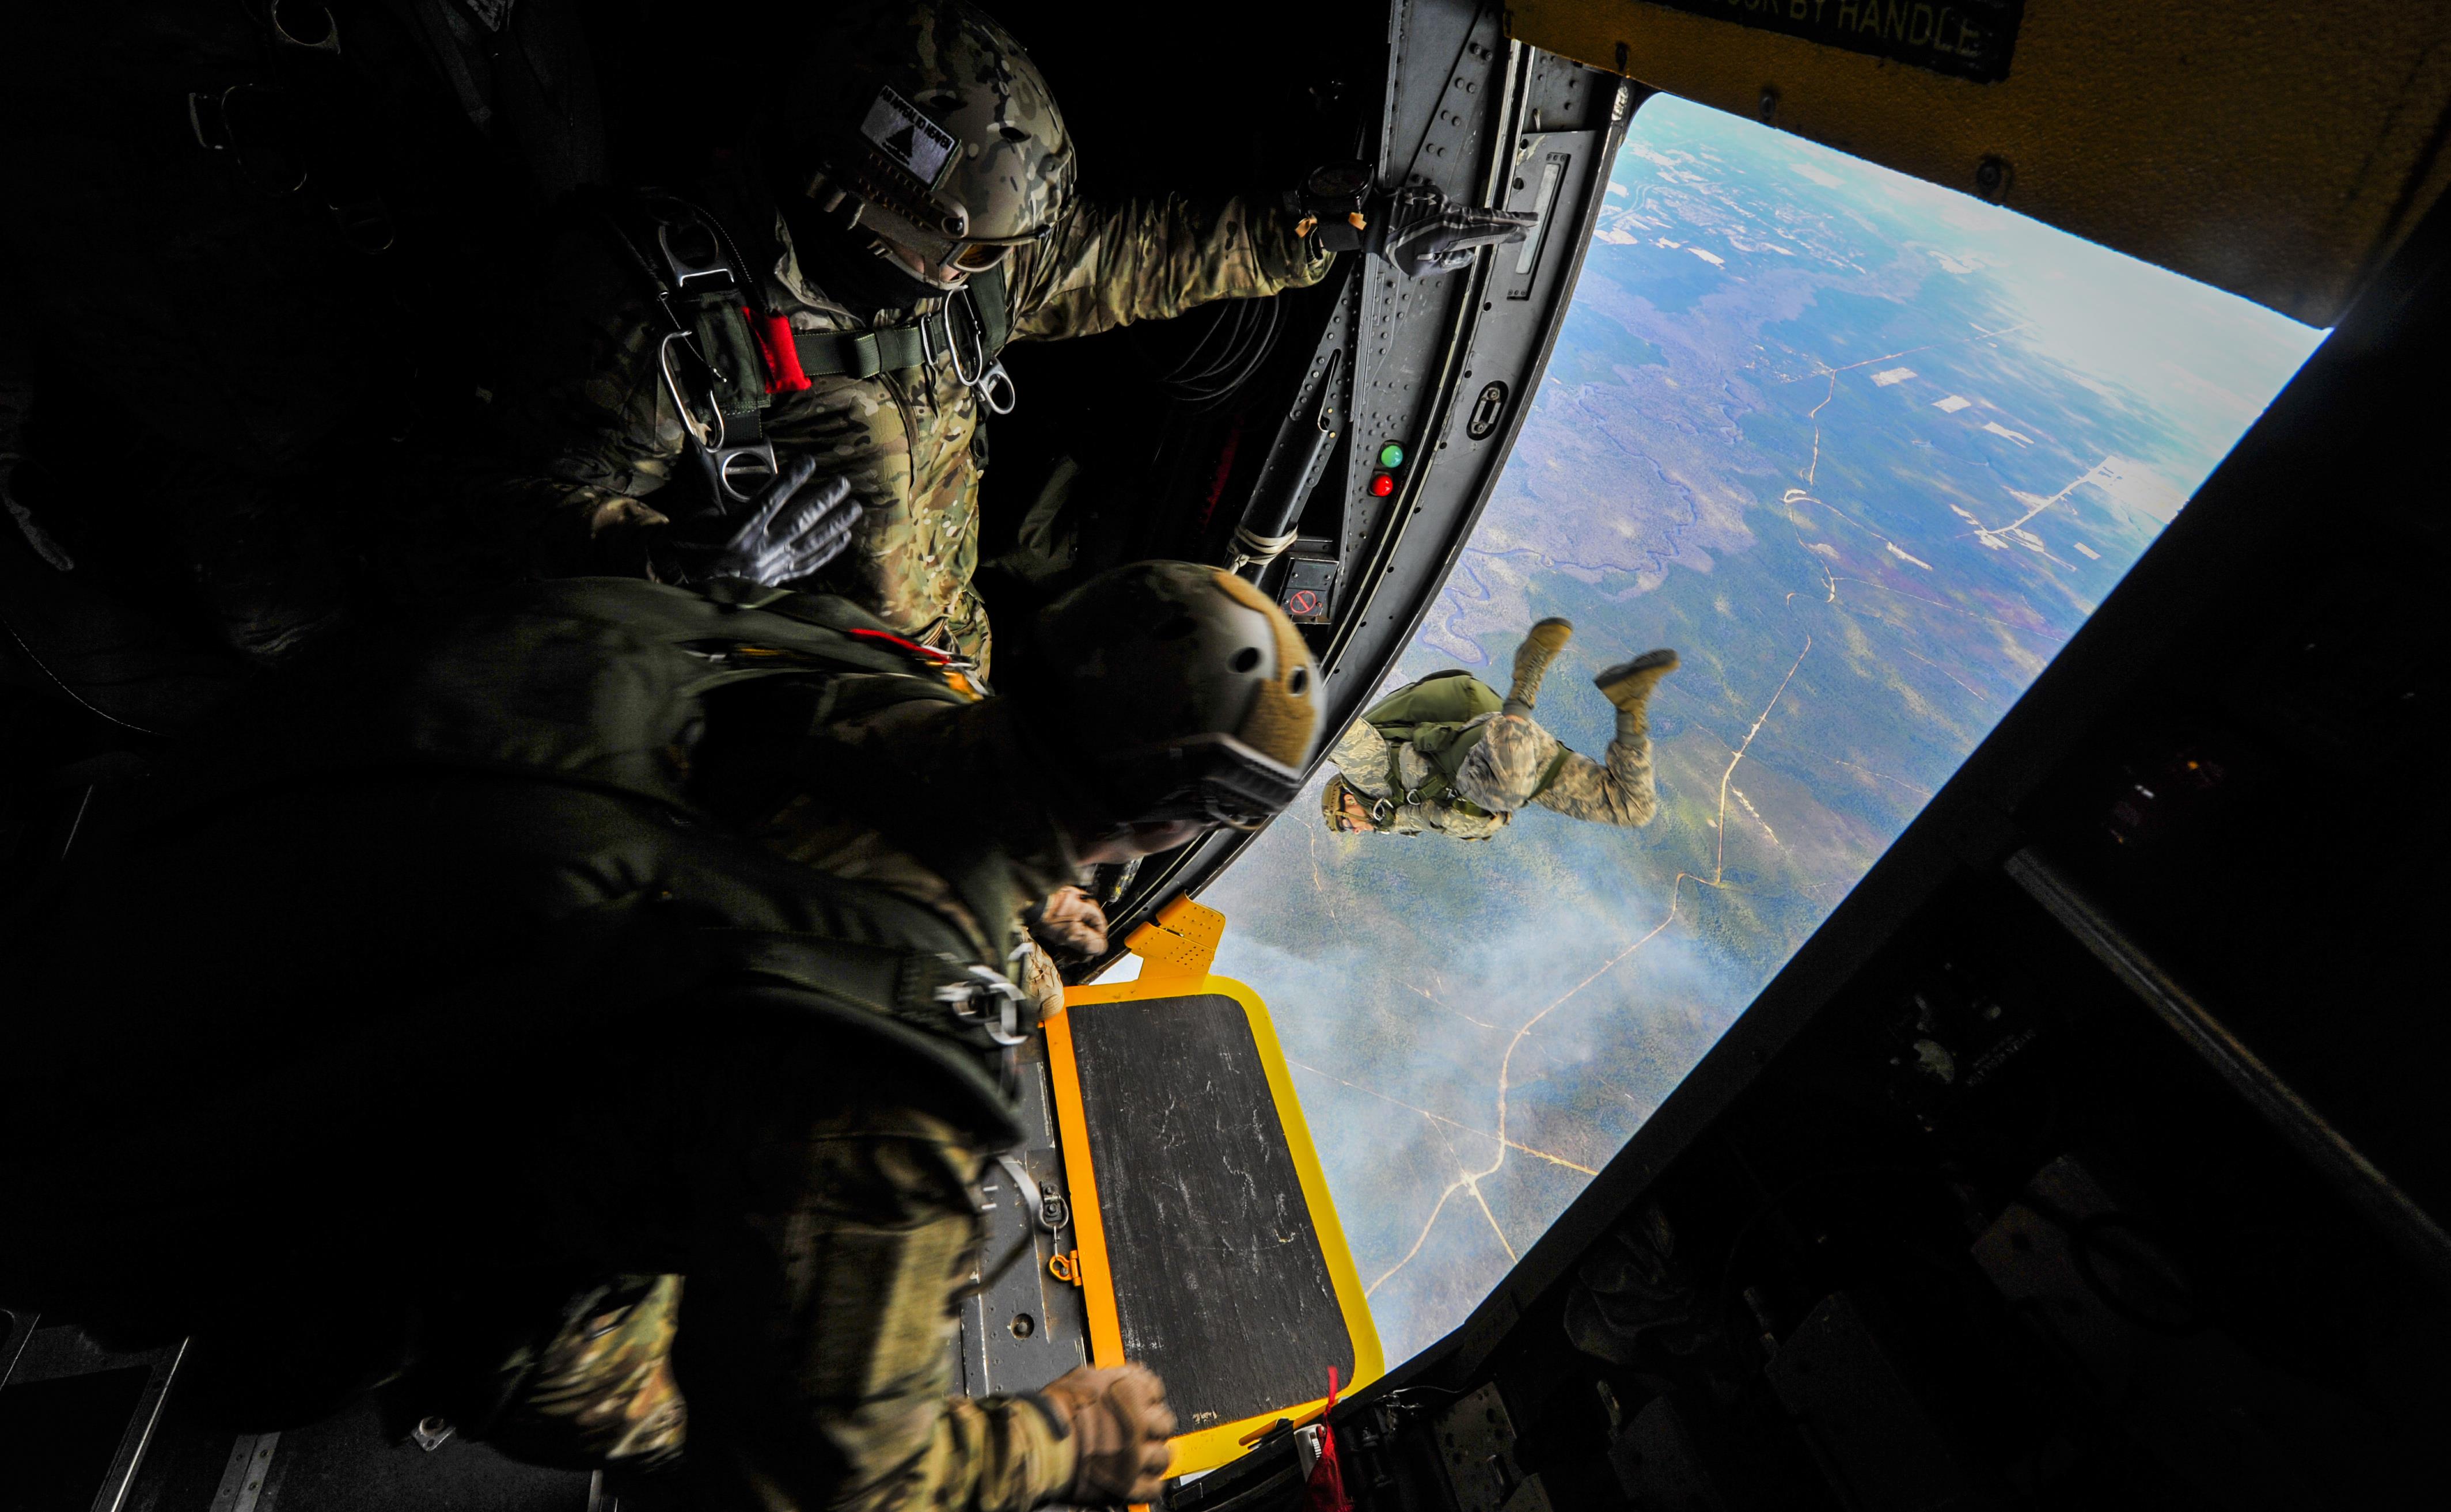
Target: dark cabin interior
{"x": 2089, "y": 1155}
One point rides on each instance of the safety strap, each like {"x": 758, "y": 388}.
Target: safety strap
{"x": 1433, "y": 787}
{"x": 971, "y": 329}
{"x": 714, "y": 308}
{"x": 1440, "y": 782}
{"x": 1438, "y": 785}
{"x": 716, "y": 358}
{"x": 987, "y": 291}
{"x": 960, "y": 1016}
{"x": 1549, "y": 773}
{"x": 860, "y": 354}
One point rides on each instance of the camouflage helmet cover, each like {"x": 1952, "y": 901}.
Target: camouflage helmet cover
{"x": 1376, "y": 813}
{"x": 1186, "y": 692}
{"x": 931, "y": 117}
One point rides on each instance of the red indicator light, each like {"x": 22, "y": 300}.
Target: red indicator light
{"x": 1382, "y": 486}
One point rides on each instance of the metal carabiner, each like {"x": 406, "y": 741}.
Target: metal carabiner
{"x": 221, "y": 124}
{"x": 992, "y": 386}
{"x": 953, "y": 344}
{"x": 706, "y": 437}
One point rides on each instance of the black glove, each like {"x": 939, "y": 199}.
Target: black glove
{"x": 787, "y": 530}
{"x": 1415, "y": 228}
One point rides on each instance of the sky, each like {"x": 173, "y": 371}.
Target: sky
{"x": 1724, "y": 457}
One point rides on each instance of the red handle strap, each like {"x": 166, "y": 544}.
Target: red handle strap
{"x": 775, "y": 348}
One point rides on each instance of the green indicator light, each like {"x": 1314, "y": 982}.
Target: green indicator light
{"x": 1392, "y": 455}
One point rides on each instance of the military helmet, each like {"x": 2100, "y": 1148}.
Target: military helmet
{"x": 1179, "y": 690}
{"x": 1331, "y": 805}
{"x": 925, "y": 123}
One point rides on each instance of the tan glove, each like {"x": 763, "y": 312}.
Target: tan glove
{"x": 1070, "y": 922}
{"x": 1121, "y": 1422}
{"x": 1041, "y": 978}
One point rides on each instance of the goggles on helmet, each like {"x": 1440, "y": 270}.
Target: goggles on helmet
{"x": 1211, "y": 780}
{"x": 958, "y": 257}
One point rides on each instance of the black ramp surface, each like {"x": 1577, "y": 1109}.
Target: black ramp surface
{"x": 1220, "y": 1284}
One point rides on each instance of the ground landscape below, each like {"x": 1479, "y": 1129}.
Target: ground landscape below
{"x": 1866, "y": 453}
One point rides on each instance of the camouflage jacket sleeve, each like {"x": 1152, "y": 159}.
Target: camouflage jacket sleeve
{"x": 578, "y": 431}
{"x": 1152, "y": 260}
{"x": 1361, "y": 755}
{"x": 816, "y": 1351}
{"x": 1505, "y": 767}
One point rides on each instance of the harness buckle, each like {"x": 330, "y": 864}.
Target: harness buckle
{"x": 686, "y": 267}
{"x": 740, "y": 471}
{"x": 987, "y": 999}
{"x": 994, "y": 389}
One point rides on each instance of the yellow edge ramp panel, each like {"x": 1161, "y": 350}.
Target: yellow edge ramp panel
{"x": 1173, "y": 1246}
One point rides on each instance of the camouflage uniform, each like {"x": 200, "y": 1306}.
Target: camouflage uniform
{"x": 877, "y": 1242}
{"x": 1501, "y": 773}
{"x": 692, "y": 1056}
{"x": 593, "y": 432}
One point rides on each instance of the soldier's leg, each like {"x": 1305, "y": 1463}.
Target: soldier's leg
{"x": 1622, "y": 791}
{"x": 966, "y": 627}
{"x": 600, "y": 1394}
{"x": 1540, "y": 647}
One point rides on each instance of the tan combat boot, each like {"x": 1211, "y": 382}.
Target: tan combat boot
{"x": 1540, "y": 647}
{"x": 1629, "y": 683}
